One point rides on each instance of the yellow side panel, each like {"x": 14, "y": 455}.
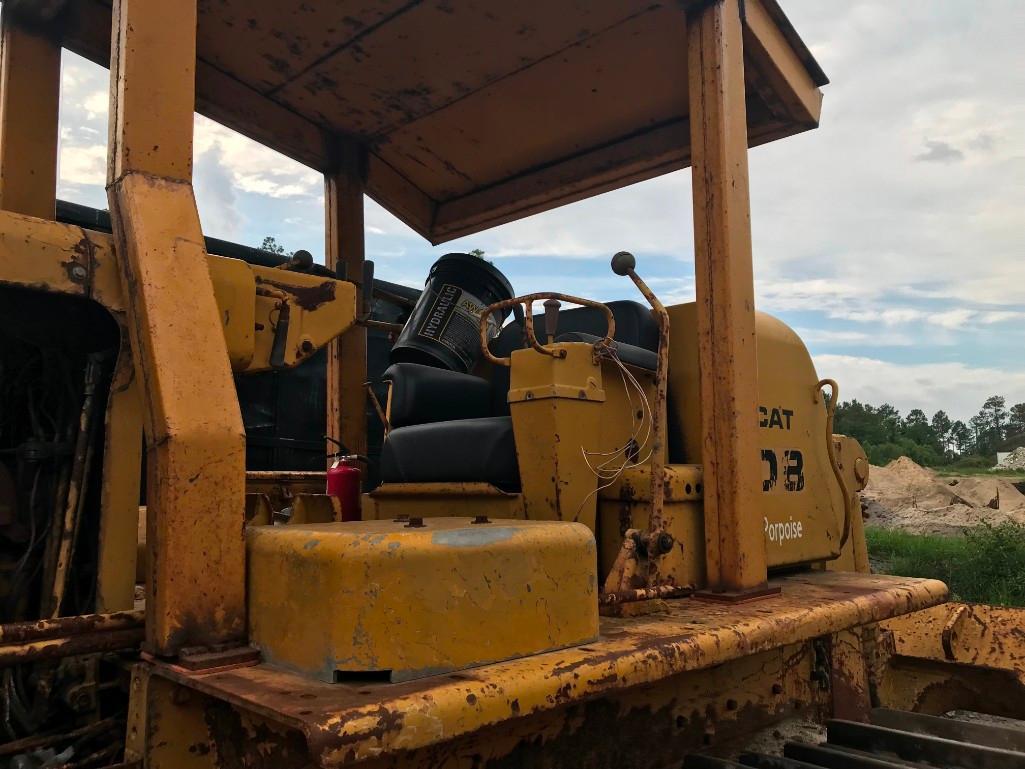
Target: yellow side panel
{"x": 329, "y": 600}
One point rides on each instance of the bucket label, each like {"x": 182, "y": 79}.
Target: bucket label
{"x": 454, "y": 321}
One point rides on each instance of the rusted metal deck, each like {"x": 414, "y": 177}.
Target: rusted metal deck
{"x": 343, "y": 722}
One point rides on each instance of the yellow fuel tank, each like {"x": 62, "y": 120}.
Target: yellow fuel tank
{"x": 803, "y": 504}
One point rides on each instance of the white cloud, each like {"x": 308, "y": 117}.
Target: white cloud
{"x": 954, "y": 387}
{"x": 954, "y": 319}
{"x": 215, "y": 194}
{"x": 253, "y": 167}
{"x": 1001, "y": 317}
{"x": 97, "y": 104}
{"x": 651, "y": 217}
{"x": 83, "y": 165}
{"x": 845, "y": 338}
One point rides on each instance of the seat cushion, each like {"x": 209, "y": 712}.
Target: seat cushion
{"x": 422, "y": 394}
{"x": 467, "y": 450}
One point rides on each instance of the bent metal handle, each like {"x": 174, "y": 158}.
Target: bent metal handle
{"x": 528, "y": 322}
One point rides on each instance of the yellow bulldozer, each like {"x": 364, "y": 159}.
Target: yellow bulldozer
{"x": 556, "y": 532}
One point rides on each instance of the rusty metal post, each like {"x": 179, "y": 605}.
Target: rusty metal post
{"x": 725, "y": 300}
{"x": 345, "y": 253}
{"x": 195, "y": 594}
{"x": 30, "y": 64}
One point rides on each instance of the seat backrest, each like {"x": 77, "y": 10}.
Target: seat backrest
{"x": 422, "y": 394}
{"x": 634, "y": 326}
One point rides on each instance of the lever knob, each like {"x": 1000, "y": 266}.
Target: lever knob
{"x": 623, "y": 263}
{"x": 552, "y": 318}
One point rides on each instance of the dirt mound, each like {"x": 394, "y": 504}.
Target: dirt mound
{"x": 907, "y": 496}
{"x": 988, "y": 492}
{"x": 910, "y": 471}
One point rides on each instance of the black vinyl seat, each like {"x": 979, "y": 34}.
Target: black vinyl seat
{"x": 469, "y": 450}
{"x": 422, "y": 394}
{"x": 443, "y": 429}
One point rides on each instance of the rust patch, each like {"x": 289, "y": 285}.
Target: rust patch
{"x": 330, "y": 738}
{"x": 247, "y": 742}
{"x": 82, "y": 266}
{"x": 848, "y": 679}
{"x": 307, "y": 297}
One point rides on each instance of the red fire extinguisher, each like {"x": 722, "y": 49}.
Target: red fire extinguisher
{"x": 345, "y": 481}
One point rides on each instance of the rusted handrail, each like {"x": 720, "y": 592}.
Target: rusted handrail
{"x": 528, "y": 322}
{"x": 834, "y": 464}
{"x": 22, "y": 632}
{"x": 69, "y": 636}
{"x": 665, "y": 592}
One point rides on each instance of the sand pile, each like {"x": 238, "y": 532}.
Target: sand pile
{"x": 1014, "y": 461}
{"x": 907, "y": 496}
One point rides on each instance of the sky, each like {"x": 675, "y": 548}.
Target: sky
{"x": 892, "y": 238}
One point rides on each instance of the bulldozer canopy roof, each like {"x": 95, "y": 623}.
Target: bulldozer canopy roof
{"x": 474, "y": 112}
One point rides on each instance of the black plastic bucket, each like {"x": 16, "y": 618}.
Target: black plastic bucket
{"x": 444, "y": 329}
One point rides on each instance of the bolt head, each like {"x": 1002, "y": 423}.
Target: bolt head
{"x": 665, "y": 542}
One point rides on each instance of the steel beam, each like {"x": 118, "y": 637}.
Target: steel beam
{"x": 725, "y": 300}
{"x": 195, "y": 594}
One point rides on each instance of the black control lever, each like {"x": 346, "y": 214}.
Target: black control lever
{"x": 552, "y": 318}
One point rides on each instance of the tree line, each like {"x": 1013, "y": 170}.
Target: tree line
{"x": 886, "y": 435}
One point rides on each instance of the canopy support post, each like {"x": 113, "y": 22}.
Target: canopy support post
{"x": 345, "y": 252}
{"x": 724, "y": 284}
{"x": 30, "y": 72}
{"x": 195, "y": 444}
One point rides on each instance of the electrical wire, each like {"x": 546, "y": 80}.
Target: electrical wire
{"x": 611, "y": 468}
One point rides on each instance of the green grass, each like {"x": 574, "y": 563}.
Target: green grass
{"x": 987, "y": 565}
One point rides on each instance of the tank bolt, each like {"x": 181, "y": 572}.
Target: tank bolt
{"x": 481, "y": 519}
{"x": 665, "y": 542}
{"x": 415, "y": 522}
{"x": 78, "y": 272}
{"x": 861, "y": 469}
